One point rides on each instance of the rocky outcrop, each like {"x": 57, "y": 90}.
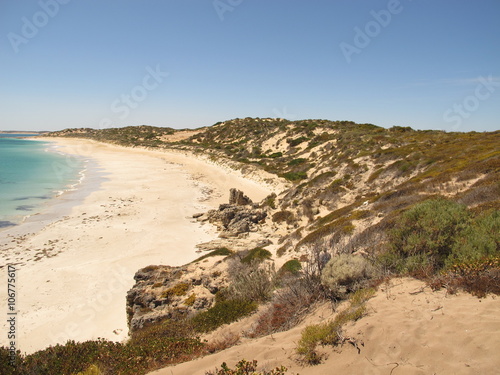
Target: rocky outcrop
{"x": 238, "y": 217}
{"x": 163, "y": 292}
{"x": 233, "y": 220}
{"x": 238, "y": 198}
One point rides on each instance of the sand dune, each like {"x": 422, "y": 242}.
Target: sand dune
{"x": 409, "y": 330}
{"x": 75, "y": 272}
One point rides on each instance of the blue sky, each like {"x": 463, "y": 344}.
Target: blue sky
{"x": 427, "y": 64}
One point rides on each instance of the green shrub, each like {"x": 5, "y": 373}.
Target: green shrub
{"x": 284, "y": 216}
{"x": 150, "y": 268}
{"x": 244, "y": 367}
{"x": 329, "y": 333}
{"x": 346, "y": 273}
{"x": 276, "y": 155}
{"x": 375, "y": 174}
{"x": 296, "y": 141}
{"x": 293, "y": 266}
{"x": 257, "y": 254}
{"x": 360, "y": 296}
{"x": 190, "y": 300}
{"x": 270, "y": 201}
{"x": 144, "y": 352}
{"x": 7, "y": 367}
{"x": 295, "y": 176}
{"x": 479, "y": 240}
{"x": 178, "y": 290}
{"x": 297, "y": 161}
{"x": 223, "y": 312}
{"x": 221, "y": 251}
{"x": 425, "y": 234}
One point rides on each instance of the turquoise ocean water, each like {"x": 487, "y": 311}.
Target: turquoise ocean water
{"x": 31, "y": 174}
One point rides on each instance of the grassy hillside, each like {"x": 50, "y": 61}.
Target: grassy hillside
{"x": 349, "y": 180}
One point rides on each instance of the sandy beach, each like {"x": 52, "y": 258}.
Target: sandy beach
{"x": 74, "y": 270}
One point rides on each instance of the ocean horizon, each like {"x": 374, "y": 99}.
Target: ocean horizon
{"x": 32, "y": 173}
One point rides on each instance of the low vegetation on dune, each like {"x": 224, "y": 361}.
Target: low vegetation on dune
{"x": 363, "y": 204}
{"x": 244, "y": 367}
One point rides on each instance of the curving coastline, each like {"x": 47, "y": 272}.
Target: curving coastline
{"x": 81, "y": 265}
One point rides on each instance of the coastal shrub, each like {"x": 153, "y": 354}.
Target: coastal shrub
{"x": 296, "y": 141}
{"x": 252, "y": 281}
{"x": 360, "y": 296}
{"x": 292, "y": 266}
{"x": 223, "y": 312}
{"x": 296, "y": 295}
{"x": 290, "y": 303}
{"x": 150, "y": 268}
{"x": 221, "y": 251}
{"x": 92, "y": 370}
{"x": 244, "y": 367}
{"x": 270, "y": 201}
{"x": 346, "y": 273}
{"x": 479, "y": 277}
{"x": 178, "y": 290}
{"x": 297, "y": 161}
{"x": 424, "y": 235}
{"x": 257, "y": 254}
{"x": 295, "y": 176}
{"x": 284, "y": 216}
{"x": 375, "y": 174}
{"x": 5, "y": 362}
{"x": 313, "y": 264}
{"x": 479, "y": 240}
{"x": 276, "y": 155}
{"x": 190, "y": 300}
{"x": 330, "y": 333}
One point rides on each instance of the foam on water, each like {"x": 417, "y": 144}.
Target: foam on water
{"x": 32, "y": 173}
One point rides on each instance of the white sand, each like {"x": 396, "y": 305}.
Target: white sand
{"x": 409, "y": 330}
{"x": 139, "y": 216}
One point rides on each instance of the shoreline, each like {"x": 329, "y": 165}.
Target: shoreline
{"x": 72, "y": 178}
{"x": 61, "y": 203}
{"x": 78, "y": 269}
